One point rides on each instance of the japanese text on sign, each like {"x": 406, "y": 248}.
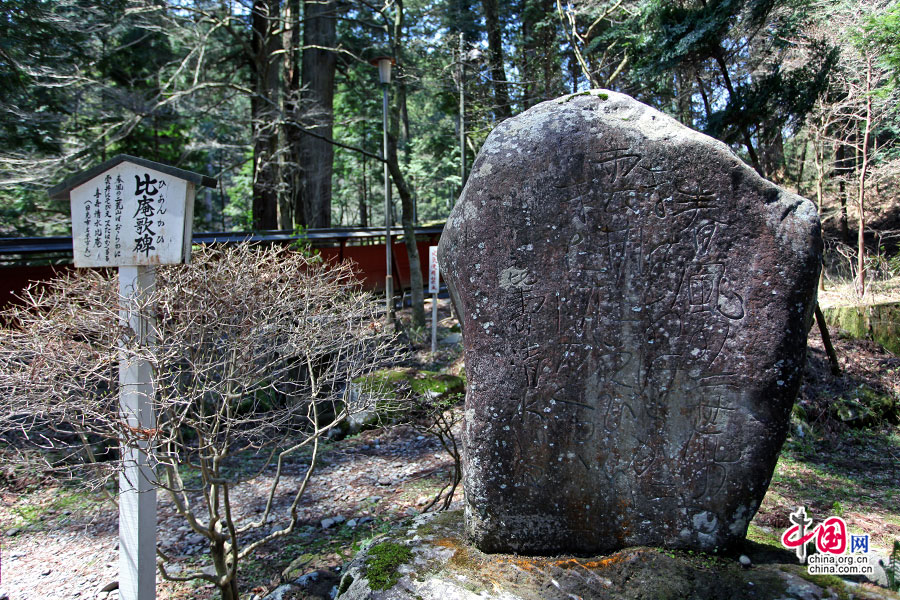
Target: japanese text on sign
{"x": 130, "y": 215}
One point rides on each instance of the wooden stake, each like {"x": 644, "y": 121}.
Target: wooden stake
{"x": 137, "y": 492}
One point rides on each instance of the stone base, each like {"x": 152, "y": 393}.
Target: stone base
{"x": 441, "y": 566}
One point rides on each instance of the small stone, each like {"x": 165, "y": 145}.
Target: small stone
{"x": 453, "y": 338}
{"x": 4, "y": 595}
{"x": 12, "y": 532}
{"x": 422, "y": 500}
{"x": 745, "y": 561}
{"x": 364, "y": 520}
{"x": 373, "y": 499}
{"x": 351, "y": 523}
{"x": 327, "y": 523}
{"x": 385, "y": 481}
{"x": 46, "y": 571}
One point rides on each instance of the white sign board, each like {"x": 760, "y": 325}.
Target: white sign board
{"x": 434, "y": 276}
{"x": 132, "y": 215}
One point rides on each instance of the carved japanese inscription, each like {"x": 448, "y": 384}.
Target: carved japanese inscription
{"x": 635, "y": 302}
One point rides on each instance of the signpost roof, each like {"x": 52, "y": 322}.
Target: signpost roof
{"x": 61, "y": 191}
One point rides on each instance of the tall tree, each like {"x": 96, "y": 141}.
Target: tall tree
{"x": 265, "y": 113}
{"x": 316, "y": 156}
{"x": 494, "y": 27}
{"x": 407, "y": 202}
{"x": 736, "y": 51}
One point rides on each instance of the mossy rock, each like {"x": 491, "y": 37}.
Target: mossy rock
{"x": 386, "y": 395}
{"x": 423, "y": 383}
{"x": 383, "y": 562}
{"x": 428, "y": 559}
{"x": 864, "y": 407}
{"x": 877, "y": 322}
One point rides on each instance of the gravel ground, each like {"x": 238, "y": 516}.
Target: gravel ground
{"x": 69, "y": 549}
{"x": 75, "y": 555}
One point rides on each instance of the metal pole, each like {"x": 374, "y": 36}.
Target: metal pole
{"x": 462, "y": 117}
{"x": 137, "y": 492}
{"x": 388, "y": 280}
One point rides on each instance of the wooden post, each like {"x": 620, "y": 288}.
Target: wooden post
{"x": 134, "y": 214}
{"x": 434, "y": 281}
{"x": 137, "y": 490}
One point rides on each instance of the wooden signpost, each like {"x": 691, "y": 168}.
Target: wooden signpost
{"x": 134, "y": 214}
{"x": 434, "y": 284}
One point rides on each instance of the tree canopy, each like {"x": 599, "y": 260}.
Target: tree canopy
{"x": 279, "y": 101}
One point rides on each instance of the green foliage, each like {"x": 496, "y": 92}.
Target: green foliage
{"x": 883, "y": 32}
{"x": 304, "y": 246}
{"x": 382, "y": 564}
{"x": 893, "y": 568}
{"x": 240, "y": 196}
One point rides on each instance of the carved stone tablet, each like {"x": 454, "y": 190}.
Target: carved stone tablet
{"x": 635, "y": 302}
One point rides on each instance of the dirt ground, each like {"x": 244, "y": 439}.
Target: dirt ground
{"x": 60, "y": 541}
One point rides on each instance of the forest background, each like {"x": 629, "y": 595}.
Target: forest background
{"x": 278, "y": 100}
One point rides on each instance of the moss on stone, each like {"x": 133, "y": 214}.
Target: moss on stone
{"x": 877, "y": 322}
{"x": 826, "y": 582}
{"x": 864, "y": 406}
{"x": 421, "y": 382}
{"x": 382, "y": 564}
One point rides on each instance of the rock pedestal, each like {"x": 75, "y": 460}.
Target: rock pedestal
{"x": 434, "y": 563}
{"x": 635, "y": 302}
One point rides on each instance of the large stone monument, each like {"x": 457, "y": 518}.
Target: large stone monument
{"x": 635, "y": 302}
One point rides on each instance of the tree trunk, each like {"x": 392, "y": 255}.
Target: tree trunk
{"x": 801, "y": 168}
{"x": 291, "y": 174}
{"x": 416, "y": 281}
{"x": 363, "y": 200}
{"x": 684, "y": 92}
{"x": 842, "y": 166}
{"x": 819, "y": 159}
{"x": 502, "y": 108}
{"x": 826, "y": 341}
{"x": 771, "y": 151}
{"x": 317, "y": 155}
{"x": 861, "y": 196}
{"x": 527, "y": 55}
{"x": 548, "y": 48}
{"x": 732, "y": 96}
{"x": 407, "y": 202}
{"x": 265, "y": 44}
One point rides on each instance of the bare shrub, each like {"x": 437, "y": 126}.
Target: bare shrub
{"x": 254, "y": 349}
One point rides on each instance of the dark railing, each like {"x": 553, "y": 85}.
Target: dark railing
{"x": 24, "y": 260}
{"x": 62, "y": 245}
